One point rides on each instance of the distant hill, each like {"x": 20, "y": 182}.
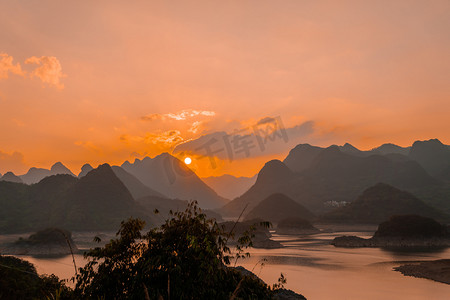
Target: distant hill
{"x": 432, "y": 155}
{"x": 229, "y": 186}
{"x": 390, "y": 149}
{"x": 270, "y": 178}
{"x": 332, "y": 176}
{"x": 301, "y": 157}
{"x": 97, "y": 201}
{"x": 11, "y": 177}
{"x": 277, "y": 207}
{"x": 34, "y": 175}
{"x": 134, "y": 185}
{"x": 86, "y": 168}
{"x": 172, "y": 178}
{"x": 379, "y": 203}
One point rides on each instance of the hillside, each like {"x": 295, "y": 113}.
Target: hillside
{"x": 332, "y": 177}
{"x": 432, "y": 155}
{"x": 379, "y": 203}
{"x": 277, "y": 207}
{"x": 11, "y": 177}
{"x": 134, "y": 185}
{"x": 172, "y": 178}
{"x": 34, "y": 175}
{"x": 229, "y": 186}
{"x": 97, "y": 201}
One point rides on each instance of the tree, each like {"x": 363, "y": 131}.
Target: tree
{"x": 19, "y": 280}
{"x": 185, "y": 258}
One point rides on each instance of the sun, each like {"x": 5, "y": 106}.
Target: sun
{"x": 187, "y": 160}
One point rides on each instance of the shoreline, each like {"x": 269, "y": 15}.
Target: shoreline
{"x": 436, "y": 270}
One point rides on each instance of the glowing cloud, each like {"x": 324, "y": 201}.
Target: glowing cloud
{"x": 49, "y": 70}
{"x": 7, "y": 66}
{"x": 179, "y": 116}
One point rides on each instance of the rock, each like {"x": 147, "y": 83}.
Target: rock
{"x": 437, "y": 270}
{"x": 403, "y": 232}
{"x": 296, "y": 225}
{"x": 50, "y": 241}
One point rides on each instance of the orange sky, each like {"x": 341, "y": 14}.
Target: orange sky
{"x": 107, "y": 81}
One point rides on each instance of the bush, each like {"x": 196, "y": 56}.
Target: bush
{"x": 185, "y": 258}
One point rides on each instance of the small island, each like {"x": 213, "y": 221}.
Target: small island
{"x": 437, "y": 270}
{"x": 296, "y": 225}
{"x": 261, "y": 234}
{"x": 402, "y": 231}
{"x": 50, "y": 241}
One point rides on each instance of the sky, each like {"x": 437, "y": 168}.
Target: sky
{"x": 109, "y": 81}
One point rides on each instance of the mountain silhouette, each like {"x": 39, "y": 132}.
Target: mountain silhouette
{"x": 11, "y": 177}
{"x": 86, "y": 168}
{"x": 97, "y": 201}
{"x": 229, "y": 186}
{"x": 332, "y": 176}
{"x": 171, "y": 177}
{"x": 273, "y": 175}
{"x": 301, "y": 156}
{"x": 378, "y": 203}
{"x": 432, "y": 155}
{"x": 277, "y": 207}
{"x": 136, "y": 187}
{"x": 34, "y": 175}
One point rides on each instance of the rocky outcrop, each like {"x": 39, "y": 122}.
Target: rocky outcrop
{"x": 437, "y": 270}
{"x": 402, "y": 231}
{"x": 51, "y": 241}
{"x": 296, "y": 225}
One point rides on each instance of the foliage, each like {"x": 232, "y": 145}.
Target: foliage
{"x": 185, "y": 258}
{"x": 19, "y": 280}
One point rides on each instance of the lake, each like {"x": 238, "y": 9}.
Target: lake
{"x": 314, "y": 268}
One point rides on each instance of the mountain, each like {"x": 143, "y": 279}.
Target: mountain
{"x": 350, "y": 149}
{"x": 97, "y": 201}
{"x": 332, "y": 177}
{"x": 136, "y": 188}
{"x": 301, "y": 156}
{"x": 229, "y": 186}
{"x": 432, "y": 155}
{"x": 273, "y": 175}
{"x": 11, "y": 177}
{"x": 86, "y": 168}
{"x": 390, "y": 149}
{"x": 59, "y": 168}
{"x": 378, "y": 203}
{"x": 277, "y": 207}
{"x": 172, "y": 178}
{"x": 101, "y": 200}
{"x": 34, "y": 175}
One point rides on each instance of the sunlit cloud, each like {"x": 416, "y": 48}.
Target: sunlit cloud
{"x": 195, "y": 127}
{"x": 7, "y": 66}
{"x": 165, "y": 139}
{"x": 49, "y": 70}
{"x": 179, "y": 116}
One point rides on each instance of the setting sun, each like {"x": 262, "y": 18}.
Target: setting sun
{"x": 187, "y": 160}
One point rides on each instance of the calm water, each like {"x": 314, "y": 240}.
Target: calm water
{"x": 317, "y": 269}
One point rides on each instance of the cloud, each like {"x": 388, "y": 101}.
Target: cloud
{"x": 267, "y": 137}
{"x": 7, "y": 66}
{"x": 165, "y": 139}
{"x": 12, "y": 162}
{"x": 179, "y": 116}
{"x": 49, "y": 70}
{"x": 195, "y": 127}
